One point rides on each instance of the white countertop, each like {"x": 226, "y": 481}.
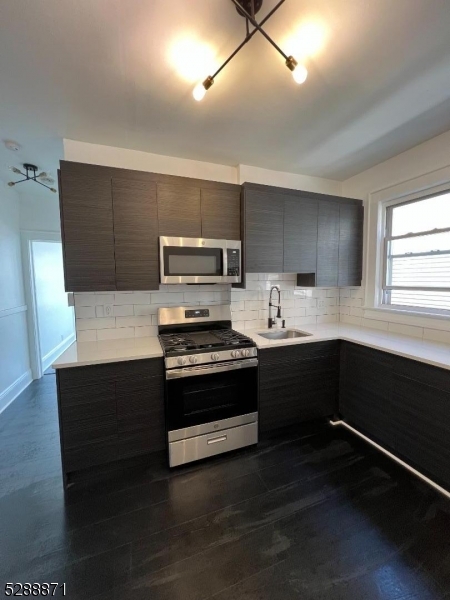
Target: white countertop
{"x": 80, "y": 354}
{"x": 433, "y": 353}
{"x": 93, "y": 353}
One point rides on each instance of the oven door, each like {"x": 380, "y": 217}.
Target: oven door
{"x": 198, "y": 260}
{"x": 211, "y": 397}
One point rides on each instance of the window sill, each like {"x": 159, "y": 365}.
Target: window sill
{"x": 407, "y": 317}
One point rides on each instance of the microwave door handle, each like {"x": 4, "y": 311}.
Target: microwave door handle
{"x": 225, "y": 260}
{"x": 210, "y": 370}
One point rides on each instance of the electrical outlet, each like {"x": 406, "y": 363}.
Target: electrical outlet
{"x": 108, "y": 310}
{"x": 321, "y": 303}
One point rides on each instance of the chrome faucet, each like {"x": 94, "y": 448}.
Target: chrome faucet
{"x": 272, "y": 321}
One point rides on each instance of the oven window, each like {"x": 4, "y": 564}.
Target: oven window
{"x": 192, "y": 261}
{"x": 206, "y": 398}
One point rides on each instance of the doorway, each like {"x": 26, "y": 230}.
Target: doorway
{"x": 51, "y": 321}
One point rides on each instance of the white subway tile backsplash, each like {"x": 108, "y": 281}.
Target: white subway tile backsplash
{"x": 87, "y": 336}
{"x": 327, "y": 318}
{"x": 134, "y": 321}
{"x": 85, "y": 312}
{"x": 410, "y": 330}
{"x": 375, "y": 324}
{"x": 125, "y": 310}
{"x": 135, "y": 313}
{"x": 351, "y": 320}
{"x": 83, "y": 324}
{"x": 166, "y": 298}
{"x": 141, "y": 310}
{"x": 146, "y": 331}
{"x": 133, "y": 298}
{"x": 301, "y": 321}
{"x": 115, "y": 334}
{"x": 436, "y": 335}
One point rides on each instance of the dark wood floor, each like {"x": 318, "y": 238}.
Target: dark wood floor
{"x": 309, "y": 514}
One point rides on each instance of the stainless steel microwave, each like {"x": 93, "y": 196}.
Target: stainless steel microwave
{"x": 199, "y": 260}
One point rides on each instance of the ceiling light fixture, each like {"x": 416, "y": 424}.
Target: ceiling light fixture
{"x": 248, "y": 10}
{"x": 12, "y": 145}
{"x": 30, "y": 175}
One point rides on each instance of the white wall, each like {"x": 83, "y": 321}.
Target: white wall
{"x": 40, "y": 212}
{"x": 124, "y": 158}
{"x": 420, "y": 160}
{"x": 421, "y": 170}
{"x": 293, "y": 181}
{"x": 170, "y": 165}
{"x": 55, "y": 318}
{"x": 15, "y": 372}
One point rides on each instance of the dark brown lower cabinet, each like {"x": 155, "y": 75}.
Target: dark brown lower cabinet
{"x": 422, "y": 417}
{"x": 298, "y": 383}
{"x": 403, "y": 404}
{"x": 109, "y": 412}
{"x": 365, "y": 392}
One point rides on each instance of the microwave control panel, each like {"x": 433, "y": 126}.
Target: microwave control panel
{"x": 234, "y": 262}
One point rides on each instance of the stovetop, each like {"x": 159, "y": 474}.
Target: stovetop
{"x": 179, "y": 343}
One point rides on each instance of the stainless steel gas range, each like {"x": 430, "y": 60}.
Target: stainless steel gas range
{"x": 211, "y": 383}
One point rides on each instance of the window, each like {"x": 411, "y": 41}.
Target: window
{"x": 417, "y": 255}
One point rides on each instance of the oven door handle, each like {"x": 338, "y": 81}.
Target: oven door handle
{"x": 211, "y": 369}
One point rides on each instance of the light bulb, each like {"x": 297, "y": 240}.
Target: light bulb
{"x": 199, "y": 92}
{"x": 300, "y": 74}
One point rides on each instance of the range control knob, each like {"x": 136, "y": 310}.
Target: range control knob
{"x": 235, "y": 354}
{"x": 181, "y": 361}
{"x": 246, "y": 352}
{"x": 193, "y": 359}
{"x": 215, "y": 356}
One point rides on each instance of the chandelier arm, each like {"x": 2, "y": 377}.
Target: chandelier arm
{"x": 248, "y": 37}
{"x": 260, "y": 29}
{"x": 40, "y": 183}
{"x": 21, "y": 180}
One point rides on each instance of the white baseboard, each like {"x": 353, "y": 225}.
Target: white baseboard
{"x": 49, "y": 358}
{"x": 398, "y": 460}
{"x": 11, "y": 392}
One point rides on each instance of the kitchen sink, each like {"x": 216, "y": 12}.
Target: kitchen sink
{"x": 283, "y": 334}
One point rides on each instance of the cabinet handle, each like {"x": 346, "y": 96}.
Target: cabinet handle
{"x": 222, "y": 438}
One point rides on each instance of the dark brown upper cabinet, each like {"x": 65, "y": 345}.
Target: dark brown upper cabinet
{"x": 328, "y": 244}
{"x": 87, "y": 232}
{"x": 317, "y": 236}
{"x": 263, "y": 224}
{"x": 221, "y": 214}
{"x": 179, "y": 211}
{"x": 111, "y": 220}
{"x": 300, "y": 235}
{"x": 135, "y": 234}
{"x": 351, "y": 221}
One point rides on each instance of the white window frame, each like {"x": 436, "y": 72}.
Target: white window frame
{"x": 384, "y": 288}
{"x": 431, "y": 183}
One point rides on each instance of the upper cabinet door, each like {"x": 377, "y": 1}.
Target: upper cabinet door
{"x": 328, "y": 244}
{"x": 179, "y": 212}
{"x": 87, "y": 233}
{"x": 221, "y": 214}
{"x": 136, "y": 234}
{"x": 351, "y": 220}
{"x": 263, "y": 232}
{"x": 300, "y": 235}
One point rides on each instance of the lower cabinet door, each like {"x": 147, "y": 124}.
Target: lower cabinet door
{"x": 295, "y": 391}
{"x": 140, "y": 415}
{"x": 365, "y": 392}
{"x": 422, "y": 422}
{"x": 98, "y": 452}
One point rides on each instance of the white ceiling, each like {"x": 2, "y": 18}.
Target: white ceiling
{"x": 104, "y": 71}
